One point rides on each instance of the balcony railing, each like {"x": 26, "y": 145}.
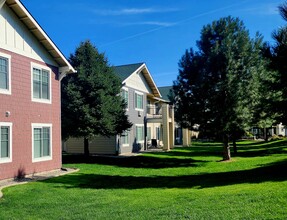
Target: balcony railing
{"x": 156, "y": 111}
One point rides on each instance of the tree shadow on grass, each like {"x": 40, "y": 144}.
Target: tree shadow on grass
{"x": 264, "y": 149}
{"x": 132, "y": 162}
{"x": 273, "y": 172}
{"x": 202, "y": 151}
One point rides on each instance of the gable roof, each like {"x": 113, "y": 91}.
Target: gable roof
{"x": 27, "y": 19}
{"x": 125, "y": 71}
{"x": 165, "y": 92}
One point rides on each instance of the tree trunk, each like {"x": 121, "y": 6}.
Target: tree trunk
{"x": 226, "y": 148}
{"x": 86, "y": 147}
{"x": 234, "y": 146}
{"x": 265, "y": 134}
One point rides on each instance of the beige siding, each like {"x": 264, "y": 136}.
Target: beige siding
{"x": 15, "y": 37}
{"x": 138, "y": 82}
{"x": 99, "y": 145}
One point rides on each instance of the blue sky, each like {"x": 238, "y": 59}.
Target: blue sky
{"x": 155, "y": 32}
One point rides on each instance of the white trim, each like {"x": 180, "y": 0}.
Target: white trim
{"x": 7, "y": 91}
{"x": 128, "y": 144}
{"x": 39, "y": 66}
{"x": 142, "y": 94}
{"x": 46, "y": 158}
{"x": 144, "y": 66}
{"x": 127, "y": 90}
{"x": 9, "y": 124}
{"x": 43, "y": 33}
{"x": 139, "y": 125}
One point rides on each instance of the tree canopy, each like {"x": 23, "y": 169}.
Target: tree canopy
{"x": 220, "y": 86}
{"x": 277, "y": 54}
{"x": 91, "y": 104}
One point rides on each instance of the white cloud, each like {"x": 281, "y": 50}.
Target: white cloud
{"x": 263, "y": 9}
{"x": 133, "y": 11}
{"x": 151, "y": 23}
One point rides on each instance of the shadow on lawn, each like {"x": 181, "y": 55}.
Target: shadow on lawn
{"x": 202, "y": 151}
{"x": 271, "y": 172}
{"x": 132, "y": 162}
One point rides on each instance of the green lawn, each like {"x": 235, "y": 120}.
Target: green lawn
{"x": 185, "y": 183}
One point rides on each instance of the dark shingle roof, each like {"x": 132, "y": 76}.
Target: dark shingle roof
{"x": 165, "y": 92}
{"x": 124, "y": 71}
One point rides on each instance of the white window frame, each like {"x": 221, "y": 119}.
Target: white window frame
{"x": 128, "y": 134}
{"x": 141, "y": 141}
{"x": 7, "y": 91}
{"x": 126, "y": 90}
{"x": 8, "y": 159}
{"x": 148, "y": 135}
{"x": 45, "y": 158}
{"x": 141, "y": 94}
{"x": 41, "y": 67}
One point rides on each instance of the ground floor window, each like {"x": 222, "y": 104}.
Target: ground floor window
{"x": 125, "y": 138}
{"x": 148, "y": 135}
{"x": 158, "y": 136}
{"x": 140, "y": 133}
{"x": 42, "y": 139}
{"x": 5, "y": 142}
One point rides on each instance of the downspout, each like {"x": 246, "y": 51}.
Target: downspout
{"x": 63, "y": 71}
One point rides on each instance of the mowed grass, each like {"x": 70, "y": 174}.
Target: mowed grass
{"x": 185, "y": 183}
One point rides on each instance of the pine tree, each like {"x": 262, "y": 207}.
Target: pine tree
{"x": 220, "y": 84}
{"x": 277, "y": 54}
{"x": 91, "y": 104}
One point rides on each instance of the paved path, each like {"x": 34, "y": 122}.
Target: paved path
{"x": 35, "y": 177}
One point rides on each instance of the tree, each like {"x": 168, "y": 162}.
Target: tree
{"x": 218, "y": 86}
{"x": 277, "y": 54}
{"x": 91, "y": 104}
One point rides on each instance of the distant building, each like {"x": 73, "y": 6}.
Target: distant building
{"x": 182, "y": 136}
{"x": 151, "y": 115}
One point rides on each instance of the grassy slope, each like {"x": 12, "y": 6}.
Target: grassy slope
{"x": 186, "y": 183}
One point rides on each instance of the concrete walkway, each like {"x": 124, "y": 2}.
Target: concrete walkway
{"x": 35, "y": 177}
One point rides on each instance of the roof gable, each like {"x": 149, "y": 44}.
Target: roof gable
{"x": 125, "y": 72}
{"x": 165, "y": 92}
{"x": 41, "y": 37}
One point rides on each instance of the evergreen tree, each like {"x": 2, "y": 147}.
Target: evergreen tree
{"x": 219, "y": 86}
{"x": 277, "y": 54}
{"x": 91, "y": 104}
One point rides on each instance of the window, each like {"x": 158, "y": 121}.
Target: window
{"x": 158, "y": 133}
{"x": 5, "y": 142}
{"x": 42, "y": 142}
{"x": 125, "y": 95}
{"x": 5, "y": 74}
{"x": 148, "y": 135}
{"x": 125, "y": 138}
{"x": 139, "y": 133}
{"x": 139, "y": 101}
{"x": 41, "y": 83}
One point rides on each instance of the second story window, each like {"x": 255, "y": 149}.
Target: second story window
{"x": 41, "y": 85}
{"x": 139, "y": 101}
{"x": 5, "y": 74}
{"x": 125, "y": 95}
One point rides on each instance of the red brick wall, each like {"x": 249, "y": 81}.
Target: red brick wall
{"x": 23, "y": 113}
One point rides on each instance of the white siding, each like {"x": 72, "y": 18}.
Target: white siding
{"x": 15, "y": 37}
{"x": 138, "y": 82}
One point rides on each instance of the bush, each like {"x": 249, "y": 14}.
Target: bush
{"x": 276, "y": 138}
